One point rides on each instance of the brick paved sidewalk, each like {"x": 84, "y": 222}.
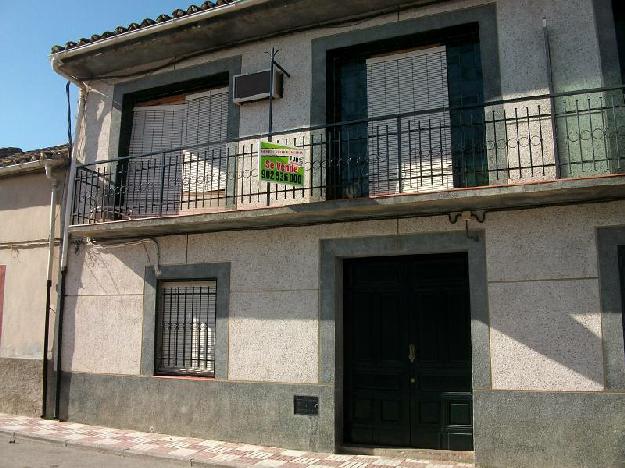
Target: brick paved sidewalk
{"x": 194, "y": 451}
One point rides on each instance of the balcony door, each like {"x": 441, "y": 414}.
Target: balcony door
{"x": 418, "y": 124}
{"x": 179, "y": 158}
{"x": 411, "y": 153}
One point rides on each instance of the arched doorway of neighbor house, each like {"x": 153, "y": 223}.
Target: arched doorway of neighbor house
{"x": 407, "y": 352}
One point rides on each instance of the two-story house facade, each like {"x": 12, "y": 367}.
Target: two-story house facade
{"x": 439, "y": 271}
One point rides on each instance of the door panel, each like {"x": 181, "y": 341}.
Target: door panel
{"x": 379, "y": 403}
{"x": 408, "y": 352}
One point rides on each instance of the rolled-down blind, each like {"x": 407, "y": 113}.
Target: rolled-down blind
{"x": 411, "y": 81}
{"x": 166, "y": 182}
{"x": 157, "y": 128}
{"x": 205, "y": 165}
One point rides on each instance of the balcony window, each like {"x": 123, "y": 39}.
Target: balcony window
{"x": 413, "y": 82}
{"x": 424, "y": 129}
{"x": 177, "y": 146}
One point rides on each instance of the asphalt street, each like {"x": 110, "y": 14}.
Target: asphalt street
{"x": 28, "y": 453}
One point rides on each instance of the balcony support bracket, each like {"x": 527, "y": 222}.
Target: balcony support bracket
{"x": 466, "y": 216}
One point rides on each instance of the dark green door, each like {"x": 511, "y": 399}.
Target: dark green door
{"x": 408, "y": 352}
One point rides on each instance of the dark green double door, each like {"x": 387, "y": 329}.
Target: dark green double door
{"x": 407, "y": 351}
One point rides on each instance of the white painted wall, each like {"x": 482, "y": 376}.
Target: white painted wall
{"x": 542, "y": 283}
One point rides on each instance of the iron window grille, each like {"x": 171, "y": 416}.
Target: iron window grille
{"x": 185, "y": 341}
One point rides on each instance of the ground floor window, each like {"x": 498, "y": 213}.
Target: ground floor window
{"x": 186, "y": 319}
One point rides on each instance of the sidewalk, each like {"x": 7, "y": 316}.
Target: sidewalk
{"x": 196, "y": 452}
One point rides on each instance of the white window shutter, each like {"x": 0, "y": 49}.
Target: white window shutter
{"x": 194, "y": 177}
{"x": 411, "y": 81}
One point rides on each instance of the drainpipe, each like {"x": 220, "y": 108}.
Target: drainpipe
{"x": 552, "y": 100}
{"x": 65, "y": 222}
{"x": 53, "y": 191}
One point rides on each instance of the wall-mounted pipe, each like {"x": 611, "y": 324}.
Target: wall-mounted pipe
{"x": 552, "y": 101}
{"x": 53, "y": 201}
{"x": 65, "y": 221}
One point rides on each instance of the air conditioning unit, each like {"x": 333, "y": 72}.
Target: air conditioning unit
{"x": 255, "y": 86}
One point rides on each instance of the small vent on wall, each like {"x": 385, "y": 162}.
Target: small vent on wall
{"x": 255, "y": 86}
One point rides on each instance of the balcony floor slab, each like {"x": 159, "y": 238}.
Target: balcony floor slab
{"x": 491, "y": 198}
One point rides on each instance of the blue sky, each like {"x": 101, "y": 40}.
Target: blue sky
{"x": 33, "y": 111}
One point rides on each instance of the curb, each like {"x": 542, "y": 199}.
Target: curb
{"x": 126, "y": 453}
{"x": 134, "y": 451}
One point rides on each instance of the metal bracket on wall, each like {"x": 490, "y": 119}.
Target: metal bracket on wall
{"x": 466, "y": 216}
{"x": 274, "y": 64}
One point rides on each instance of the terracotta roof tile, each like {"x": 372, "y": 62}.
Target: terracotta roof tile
{"x": 164, "y": 18}
{"x": 11, "y": 156}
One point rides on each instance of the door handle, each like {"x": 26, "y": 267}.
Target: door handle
{"x": 412, "y": 353}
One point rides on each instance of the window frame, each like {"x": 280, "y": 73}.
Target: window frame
{"x": 464, "y": 34}
{"x": 182, "y": 87}
{"x": 618, "y": 13}
{"x": 218, "y": 272}
{"x": 452, "y": 35}
{"x": 158, "y": 133}
{"x": 182, "y": 370}
{"x": 167, "y": 81}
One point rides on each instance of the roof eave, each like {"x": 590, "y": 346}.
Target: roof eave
{"x": 57, "y": 59}
{"x": 204, "y": 32}
{"x": 31, "y": 166}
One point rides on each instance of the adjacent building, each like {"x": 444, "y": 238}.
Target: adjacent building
{"x": 429, "y": 253}
{"x": 27, "y": 180}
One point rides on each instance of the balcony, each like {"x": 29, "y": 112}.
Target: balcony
{"x": 528, "y": 151}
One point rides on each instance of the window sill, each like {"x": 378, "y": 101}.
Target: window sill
{"x": 200, "y": 378}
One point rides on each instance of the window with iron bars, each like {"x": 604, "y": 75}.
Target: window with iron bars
{"x": 185, "y": 342}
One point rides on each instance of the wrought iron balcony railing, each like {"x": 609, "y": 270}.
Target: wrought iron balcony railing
{"x": 524, "y": 140}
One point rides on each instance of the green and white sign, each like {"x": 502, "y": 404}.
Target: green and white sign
{"x": 281, "y": 164}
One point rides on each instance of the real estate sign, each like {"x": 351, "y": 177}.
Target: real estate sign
{"x": 281, "y": 164}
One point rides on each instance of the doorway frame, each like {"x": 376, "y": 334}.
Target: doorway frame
{"x": 613, "y": 340}
{"x": 332, "y": 254}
